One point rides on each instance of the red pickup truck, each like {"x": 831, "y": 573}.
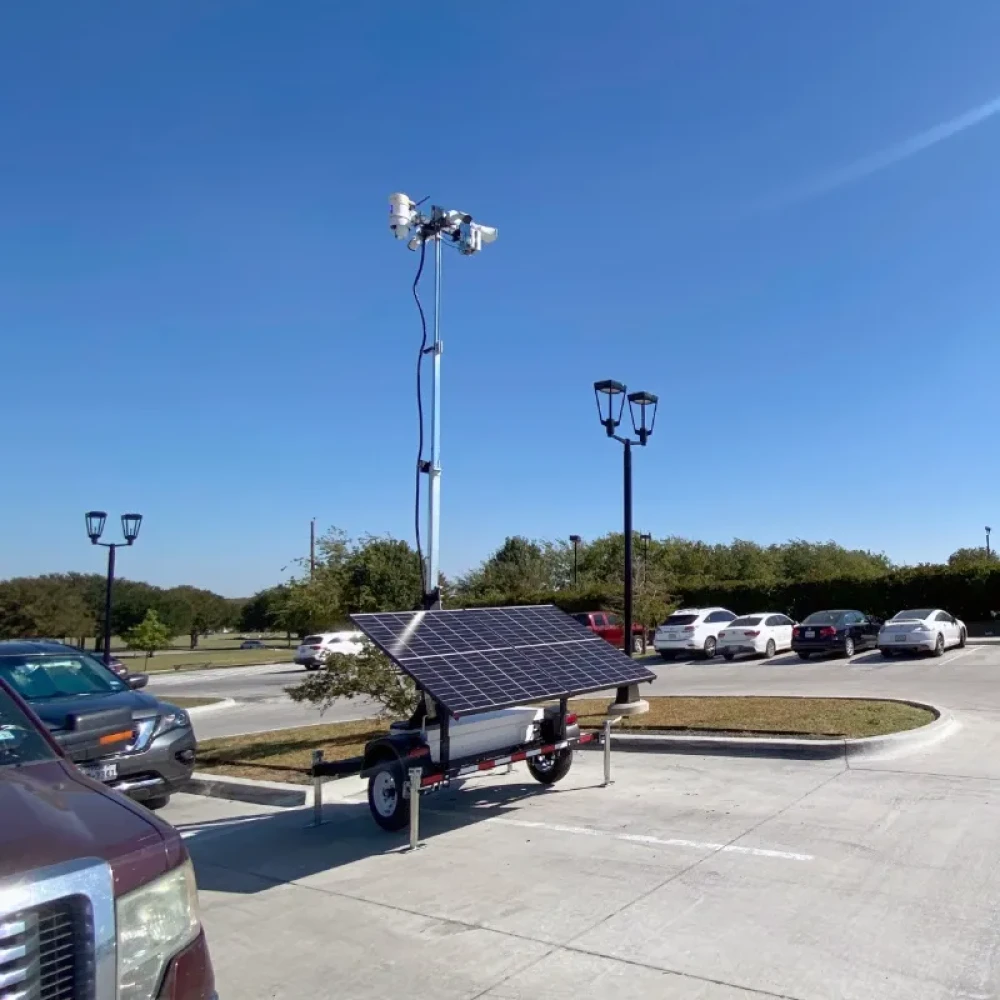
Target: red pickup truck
{"x": 611, "y": 628}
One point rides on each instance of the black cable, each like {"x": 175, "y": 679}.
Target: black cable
{"x": 420, "y": 410}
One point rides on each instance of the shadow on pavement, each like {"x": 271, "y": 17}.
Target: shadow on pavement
{"x": 251, "y": 853}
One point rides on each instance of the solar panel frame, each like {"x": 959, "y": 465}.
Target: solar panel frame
{"x": 487, "y": 659}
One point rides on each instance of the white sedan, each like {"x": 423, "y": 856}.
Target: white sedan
{"x": 924, "y": 630}
{"x": 763, "y": 634}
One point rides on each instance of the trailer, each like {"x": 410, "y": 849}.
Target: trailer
{"x": 494, "y": 686}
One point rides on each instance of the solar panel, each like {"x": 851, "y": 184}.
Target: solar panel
{"x": 491, "y": 658}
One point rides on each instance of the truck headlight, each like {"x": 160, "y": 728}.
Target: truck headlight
{"x": 176, "y": 718}
{"x": 154, "y": 922}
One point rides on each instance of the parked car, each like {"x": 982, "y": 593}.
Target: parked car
{"x": 843, "y": 632}
{"x": 252, "y": 644}
{"x": 924, "y": 630}
{"x": 691, "y": 630}
{"x": 97, "y": 896}
{"x": 314, "y": 649}
{"x": 57, "y": 680}
{"x": 611, "y": 628}
{"x": 762, "y": 634}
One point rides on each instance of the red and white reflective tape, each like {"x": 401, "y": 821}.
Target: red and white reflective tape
{"x": 514, "y": 758}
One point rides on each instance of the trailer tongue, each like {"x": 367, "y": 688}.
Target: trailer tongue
{"x": 478, "y": 673}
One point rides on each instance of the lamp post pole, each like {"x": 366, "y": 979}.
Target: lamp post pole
{"x": 575, "y": 539}
{"x": 95, "y": 528}
{"x": 988, "y": 530}
{"x": 627, "y": 642}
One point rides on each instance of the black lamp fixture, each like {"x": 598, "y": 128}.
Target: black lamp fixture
{"x": 611, "y": 396}
{"x": 645, "y": 539}
{"x": 131, "y": 523}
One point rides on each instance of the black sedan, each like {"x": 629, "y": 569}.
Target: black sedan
{"x": 843, "y": 632}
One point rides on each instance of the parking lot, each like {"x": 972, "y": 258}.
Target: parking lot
{"x": 694, "y": 877}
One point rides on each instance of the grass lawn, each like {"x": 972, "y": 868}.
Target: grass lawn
{"x": 286, "y": 755}
{"x": 206, "y": 658}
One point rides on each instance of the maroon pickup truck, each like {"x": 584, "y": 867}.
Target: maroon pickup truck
{"x": 611, "y": 628}
{"x": 97, "y": 896}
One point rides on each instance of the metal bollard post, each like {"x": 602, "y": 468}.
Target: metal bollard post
{"x": 416, "y": 774}
{"x": 317, "y": 789}
{"x": 607, "y": 753}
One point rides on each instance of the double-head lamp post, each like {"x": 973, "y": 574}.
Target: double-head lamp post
{"x": 95, "y": 528}
{"x": 611, "y": 397}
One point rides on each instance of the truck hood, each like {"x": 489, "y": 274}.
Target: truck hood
{"x": 53, "y": 711}
{"x": 56, "y": 814}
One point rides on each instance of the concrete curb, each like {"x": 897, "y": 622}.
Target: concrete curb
{"x": 258, "y": 793}
{"x": 214, "y": 707}
{"x": 789, "y": 748}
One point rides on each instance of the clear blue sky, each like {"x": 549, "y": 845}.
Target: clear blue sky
{"x": 204, "y": 317}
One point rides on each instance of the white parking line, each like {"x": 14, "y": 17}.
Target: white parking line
{"x": 636, "y": 838}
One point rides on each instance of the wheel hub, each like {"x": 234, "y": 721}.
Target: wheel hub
{"x": 384, "y": 793}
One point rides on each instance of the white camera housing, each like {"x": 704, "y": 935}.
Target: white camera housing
{"x": 401, "y": 215}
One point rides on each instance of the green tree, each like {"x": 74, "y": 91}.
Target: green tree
{"x": 368, "y": 674}
{"x": 380, "y": 574}
{"x": 973, "y": 557}
{"x": 149, "y": 635}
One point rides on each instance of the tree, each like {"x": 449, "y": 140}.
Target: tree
{"x": 368, "y": 673}
{"x": 149, "y": 635}
{"x": 970, "y": 558}
{"x": 381, "y": 574}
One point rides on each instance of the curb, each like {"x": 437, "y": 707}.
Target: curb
{"x": 789, "y": 748}
{"x": 214, "y": 707}
{"x": 258, "y": 793}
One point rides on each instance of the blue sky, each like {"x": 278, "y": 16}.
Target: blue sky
{"x": 204, "y": 317}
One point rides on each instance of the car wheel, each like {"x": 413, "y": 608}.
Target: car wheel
{"x": 157, "y": 802}
{"x": 389, "y": 808}
{"x": 638, "y": 646}
{"x": 770, "y": 649}
{"x": 939, "y": 645}
{"x": 552, "y": 767}
{"x": 710, "y": 646}
{"x": 728, "y": 657}
{"x": 666, "y": 656}
{"x": 803, "y": 656}
{"x": 963, "y": 639}
{"x": 848, "y": 647}
{"x": 887, "y": 653}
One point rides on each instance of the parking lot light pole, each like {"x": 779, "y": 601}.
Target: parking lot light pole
{"x": 95, "y": 528}
{"x": 607, "y": 393}
{"x": 988, "y": 530}
{"x": 575, "y": 539}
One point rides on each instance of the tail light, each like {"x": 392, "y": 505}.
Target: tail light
{"x": 755, "y": 633}
{"x": 828, "y": 631}
{"x": 688, "y": 628}
{"x": 315, "y": 647}
{"x": 571, "y": 718}
{"x": 722, "y": 633}
{"x": 797, "y": 632}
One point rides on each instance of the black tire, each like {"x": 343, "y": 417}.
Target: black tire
{"x": 887, "y": 653}
{"x": 666, "y": 656}
{"x": 803, "y": 656}
{"x": 963, "y": 639}
{"x": 848, "y": 647}
{"x": 770, "y": 649}
{"x": 390, "y": 811}
{"x": 708, "y": 653}
{"x": 638, "y": 646}
{"x": 312, "y": 666}
{"x": 938, "y": 646}
{"x": 552, "y": 767}
{"x": 157, "y": 801}
{"x": 728, "y": 657}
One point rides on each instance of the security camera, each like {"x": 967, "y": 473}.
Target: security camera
{"x": 402, "y": 212}
{"x": 474, "y": 235}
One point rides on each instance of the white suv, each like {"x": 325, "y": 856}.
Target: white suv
{"x": 691, "y": 630}
{"x": 314, "y": 649}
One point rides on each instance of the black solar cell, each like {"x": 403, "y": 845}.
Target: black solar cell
{"x": 492, "y": 658}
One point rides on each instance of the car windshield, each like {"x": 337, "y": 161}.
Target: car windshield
{"x": 20, "y": 740}
{"x": 680, "y": 619}
{"x": 38, "y": 678}
{"x": 745, "y": 621}
{"x": 919, "y": 615}
{"x": 824, "y": 618}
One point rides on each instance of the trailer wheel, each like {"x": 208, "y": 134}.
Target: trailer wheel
{"x": 552, "y": 767}
{"x": 385, "y": 797}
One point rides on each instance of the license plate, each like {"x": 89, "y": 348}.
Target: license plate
{"x": 900, "y": 638}
{"x": 671, "y": 636}
{"x": 101, "y": 772}
{"x": 810, "y": 633}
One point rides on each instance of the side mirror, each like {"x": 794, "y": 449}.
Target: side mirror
{"x": 136, "y": 681}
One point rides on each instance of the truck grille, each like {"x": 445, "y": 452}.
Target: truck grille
{"x": 44, "y": 953}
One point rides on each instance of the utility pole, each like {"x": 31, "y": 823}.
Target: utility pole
{"x": 988, "y": 530}
{"x": 312, "y": 547}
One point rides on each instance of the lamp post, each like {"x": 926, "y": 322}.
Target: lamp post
{"x": 613, "y": 396}
{"x": 575, "y": 539}
{"x": 95, "y": 528}
{"x": 988, "y": 530}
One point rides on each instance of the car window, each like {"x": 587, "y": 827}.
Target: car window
{"x": 675, "y": 620}
{"x": 720, "y": 616}
{"x": 20, "y": 741}
{"x": 614, "y": 620}
{"x": 312, "y": 640}
{"x": 773, "y": 620}
{"x": 747, "y": 621}
{"x": 824, "y": 618}
{"x": 919, "y": 615}
{"x": 37, "y": 678}
{"x": 943, "y": 616}
{"x": 582, "y": 619}
{"x": 785, "y": 620}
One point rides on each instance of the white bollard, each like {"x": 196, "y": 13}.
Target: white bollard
{"x": 317, "y": 758}
{"x": 416, "y": 774}
{"x": 607, "y": 753}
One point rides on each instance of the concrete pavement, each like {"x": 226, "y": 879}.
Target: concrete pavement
{"x": 696, "y": 878}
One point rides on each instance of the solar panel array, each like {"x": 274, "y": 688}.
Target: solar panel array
{"x": 492, "y": 658}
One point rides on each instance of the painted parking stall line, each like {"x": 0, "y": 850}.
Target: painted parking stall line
{"x": 636, "y": 838}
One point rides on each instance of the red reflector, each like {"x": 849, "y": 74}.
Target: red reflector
{"x": 486, "y": 765}
{"x": 571, "y": 718}
{"x": 420, "y": 752}
{"x": 518, "y": 756}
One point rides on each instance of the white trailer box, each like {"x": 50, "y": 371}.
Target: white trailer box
{"x": 486, "y": 732}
